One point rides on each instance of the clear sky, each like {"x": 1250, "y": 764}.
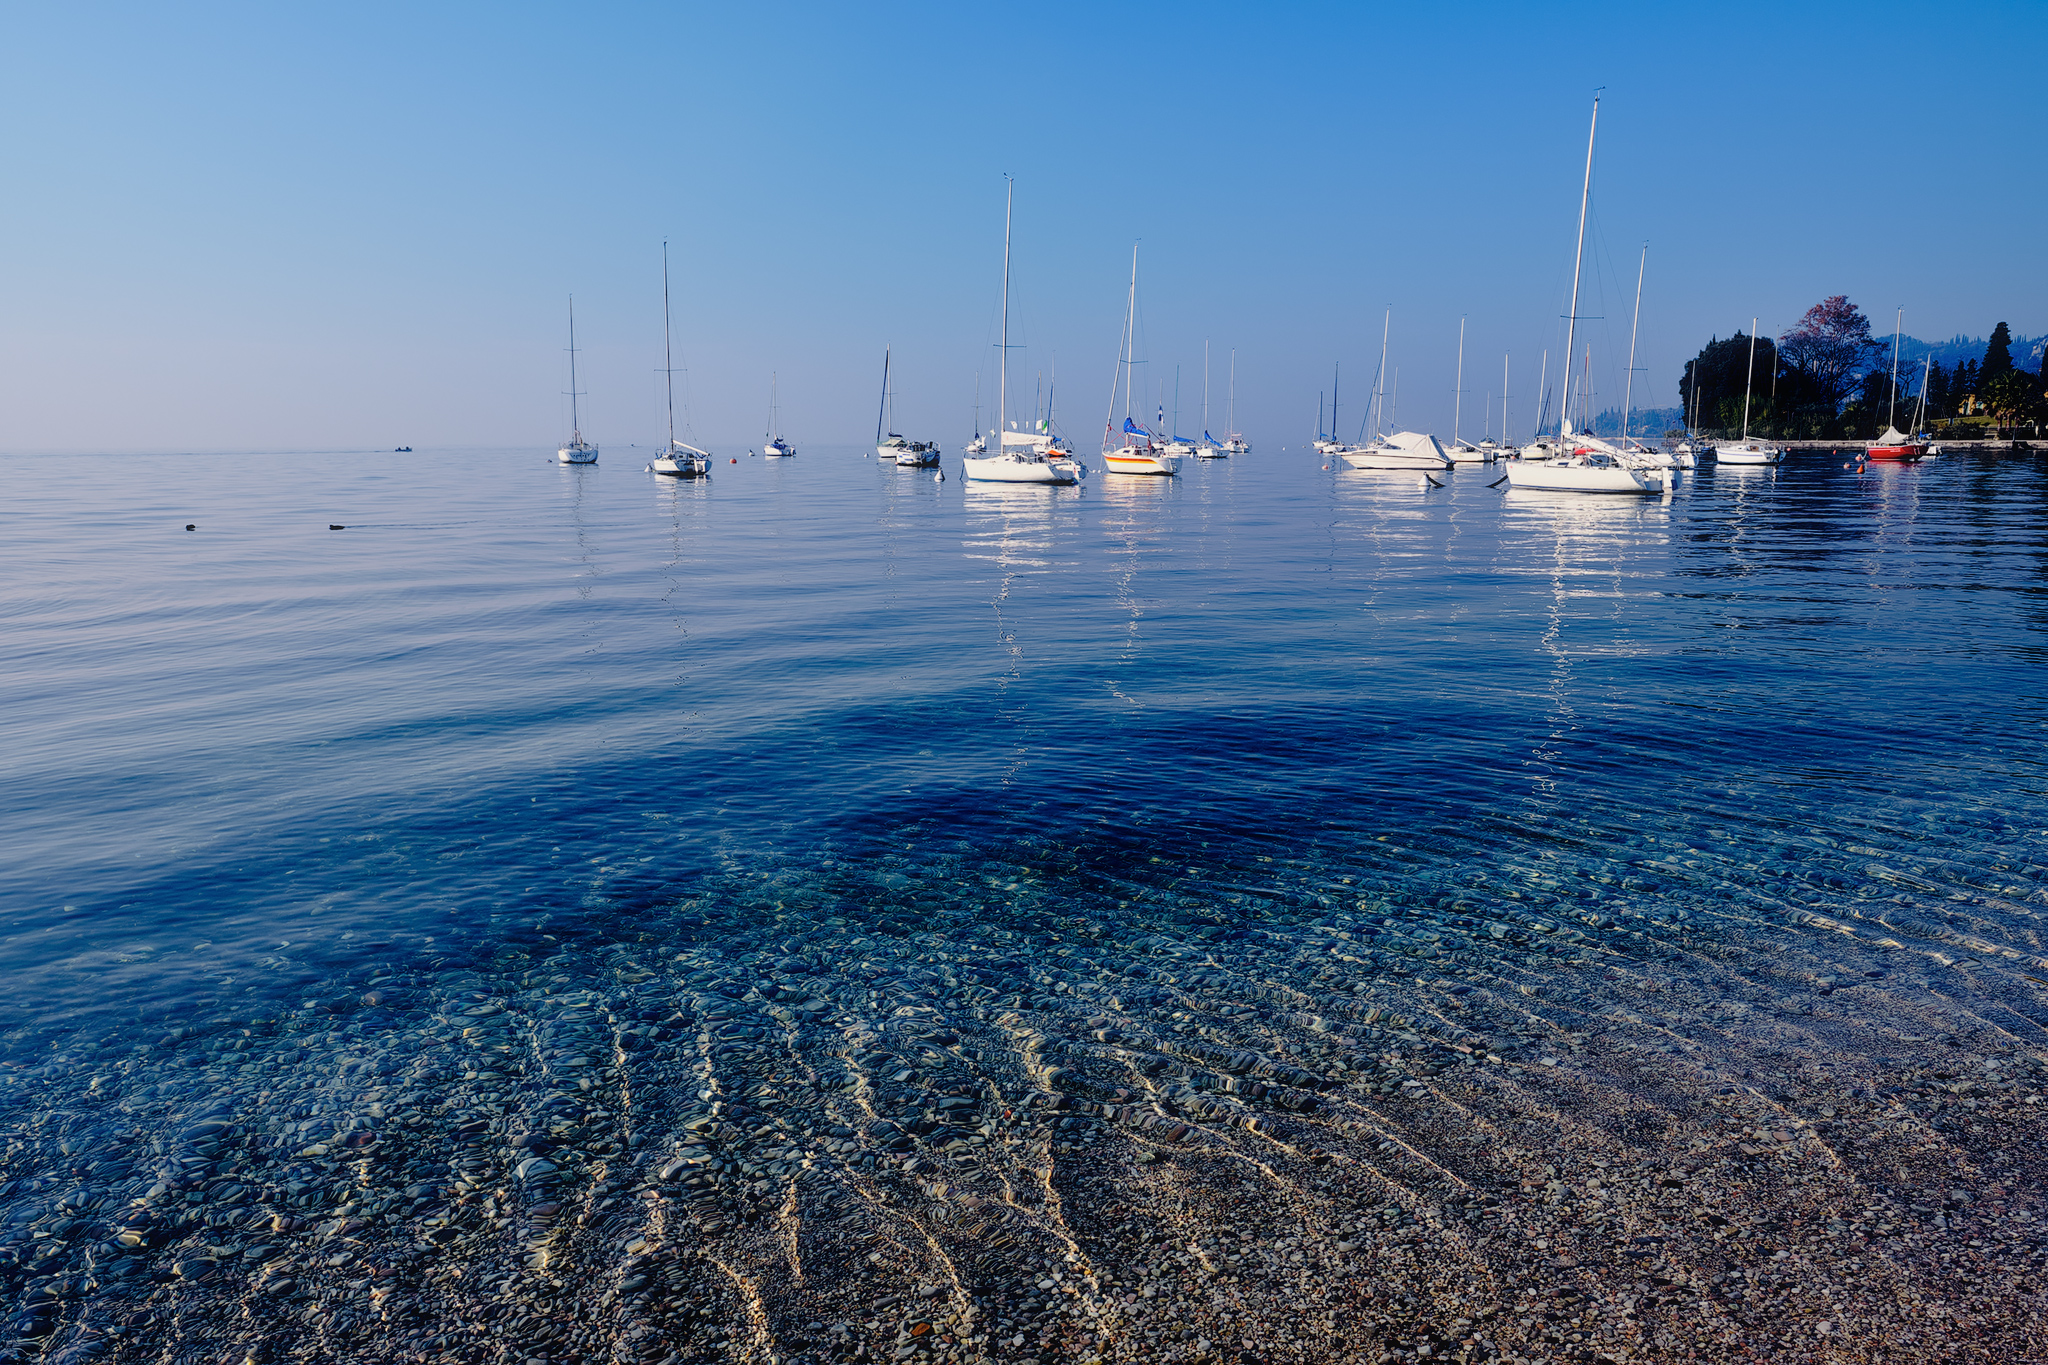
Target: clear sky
{"x": 300, "y": 228}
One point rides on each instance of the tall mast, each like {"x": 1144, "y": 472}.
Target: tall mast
{"x": 1542, "y": 395}
{"x": 1892, "y": 409}
{"x": 1504, "y": 398}
{"x": 575, "y": 422}
{"x": 1458, "y": 394}
{"x": 1628, "y": 391}
{"x": 882, "y": 406}
{"x": 1336, "y": 373}
{"x": 1578, "y": 261}
{"x": 1926, "y": 373}
{"x": 977, "y": 402}
{"x": 1176, "y": 403}
{"x": 668, "y": 360}
{"x": 1230, "y": 419}
{"x": 1130, "y": 330}
{"x": 1003, "y": 348}
{"x": 1379, "y": 383}
{"x": 1122, "y": 375}
{"x": 1205, "y": 388}
{"x": 1749, "y": 380}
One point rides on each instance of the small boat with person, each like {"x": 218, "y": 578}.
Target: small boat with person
{"x": 774, "y": 444}
{"x": 896, "y": 448}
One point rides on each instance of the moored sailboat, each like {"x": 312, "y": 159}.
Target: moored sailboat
{"x": 1134, "y": 450}
{"x": 774, "y": 444}
{"x": 1021, "y": 456}
{"x": 677, "y": 459}
{"x": 1747, "y": 451}
{"x": 1574, "y": 463}
{"x": 575, "y": 450}
{"x": 1896, "y": 444}
{"x": 899, "y": 449}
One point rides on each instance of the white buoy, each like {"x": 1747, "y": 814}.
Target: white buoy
{"x": 938, "y": 476}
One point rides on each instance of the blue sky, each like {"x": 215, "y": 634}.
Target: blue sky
{"x": 258, "y": 227}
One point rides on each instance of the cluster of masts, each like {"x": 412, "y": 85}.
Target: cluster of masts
{"x": 1569, "y": 460}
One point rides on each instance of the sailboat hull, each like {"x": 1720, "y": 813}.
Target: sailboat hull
{"x": 1137, "y": 462}
{"x": 1013, "y": 469}
{"x": 778, "y": 447}
{"x": 1571, "y": 475}
{"x": 584, "y": 454}
{"x": 1914, "y": 451}
{"x": 1748, "y": 452}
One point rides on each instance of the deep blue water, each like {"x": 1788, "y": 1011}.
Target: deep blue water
{"x": 510, "y": 691}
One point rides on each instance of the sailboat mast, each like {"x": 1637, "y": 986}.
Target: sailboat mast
{"x": 668, "y": 360}
{"x": 1336, "y": 373}
{"x": 977, "y": 403}
{"x": 1130, "y": 329}
{"x": 1121, "y": 374}
{"x": 575, "y": 422}
{"x": 1205, "y": 388}
{"x": 1504, "y": 438}
{"x": 1458, "y": 394}
{"x": 1379, "y": 382}
{"x": 1926, "y": 373}
{"x": 883, "y": 405}
{"x": 1891, "y": 410}
{"x": 1749, "y": 380}
{"x": 1230, "y": 419}
{"x": 1003, "y": 348}
{"x": 774, "y": 404}
{"x": 1628, "y": 391}
{"x": 1578, "y": 263}
{"x": 1542, "y": 396}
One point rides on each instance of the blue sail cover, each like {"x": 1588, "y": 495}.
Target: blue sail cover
{"x": 1133, "y": 429}
{"x": 1210, "y": 439}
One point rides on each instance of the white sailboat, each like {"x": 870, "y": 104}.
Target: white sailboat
{"x": 1746, "y": 451}
{"x": 1133, "y": 450}
{"x": 775, "y": 445}
{"x": 1234, "y": 442}
{"x": 1021, "y": 456}
{"x": 677, "y": 460}
{"x": 1403, "y": 449}
{"x": 1576, "y": 463}
{"x": 1208, "y": 449}
{"x": 575, "y": 450}
{"x": 900, "y": 449}
{"x": 979, "y": 445}
{"x": 1462, "y": 451}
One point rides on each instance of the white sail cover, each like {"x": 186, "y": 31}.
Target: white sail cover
{"x": 1893, "y": 437}
{"x": 1418, "y": 442}
{"x": 1026, "y": 438}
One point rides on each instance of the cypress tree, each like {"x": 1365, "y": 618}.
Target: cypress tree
{"x": 1997, "y": 355}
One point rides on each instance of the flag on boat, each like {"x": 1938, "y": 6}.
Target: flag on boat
{"x": 1132, "y": 428}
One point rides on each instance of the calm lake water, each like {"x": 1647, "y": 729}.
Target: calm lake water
{"x": 509, "y": 687}
{"x": 816, "y": 810}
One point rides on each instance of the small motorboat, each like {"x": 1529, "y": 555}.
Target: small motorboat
{"x": 402, "y": 450}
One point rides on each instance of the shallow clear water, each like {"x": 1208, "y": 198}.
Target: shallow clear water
{"x": 519, "y": 718}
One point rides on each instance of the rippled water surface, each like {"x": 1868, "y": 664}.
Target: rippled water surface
{"x": 822, "y": 912}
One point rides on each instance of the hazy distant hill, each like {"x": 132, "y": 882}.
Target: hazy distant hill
{"x": 2026, "y": 351}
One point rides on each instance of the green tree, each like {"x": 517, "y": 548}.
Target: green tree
{"x": 2012, "y": 397}
{"x": 1997, "y": 355}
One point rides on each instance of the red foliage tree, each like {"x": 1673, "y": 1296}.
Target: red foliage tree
{"x": 1830, "y": 346}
